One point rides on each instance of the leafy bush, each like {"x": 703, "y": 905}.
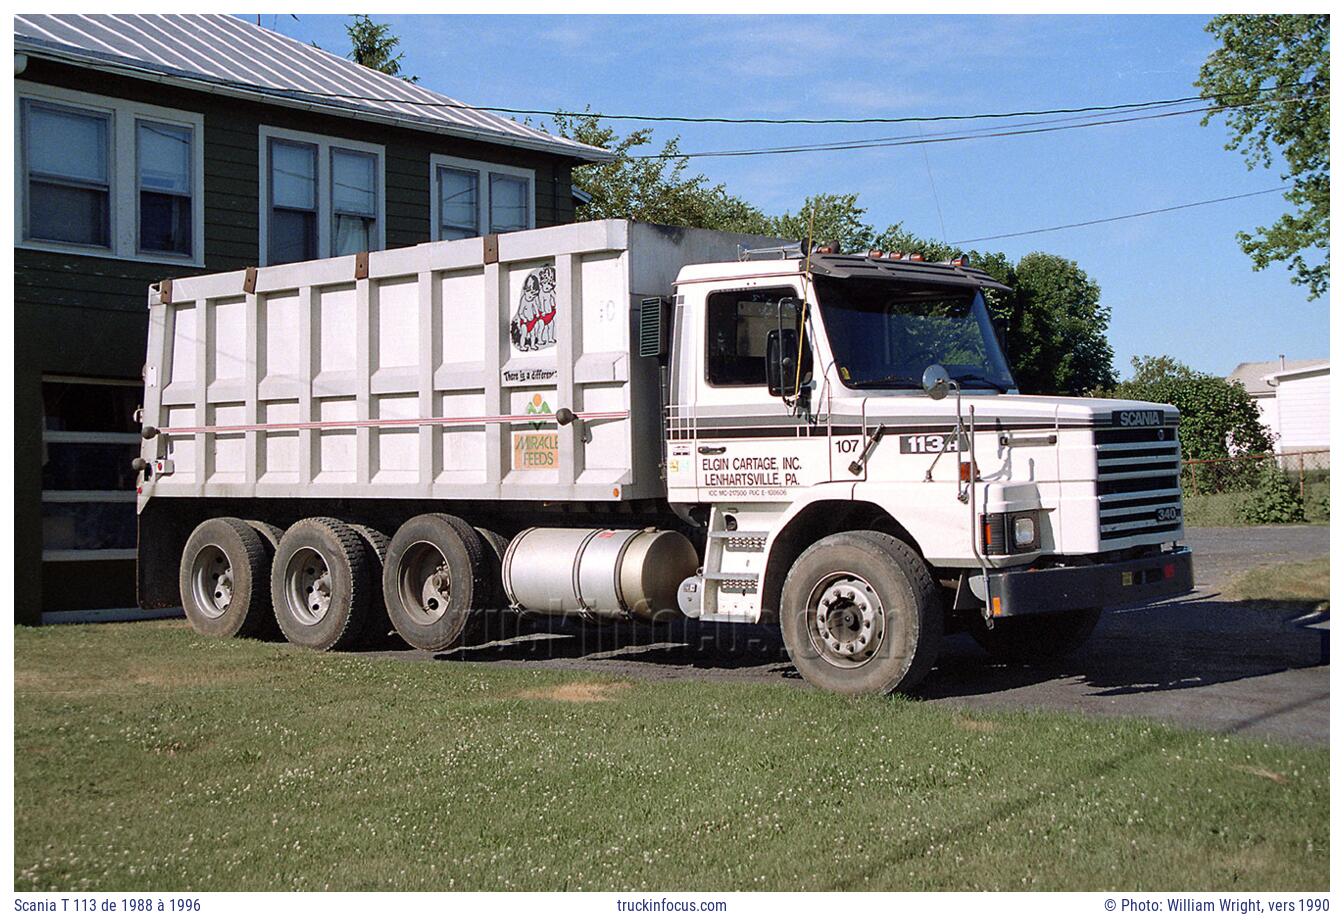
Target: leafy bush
{"x": 1318, "y": 504}
{"x": 1276, "y": 499}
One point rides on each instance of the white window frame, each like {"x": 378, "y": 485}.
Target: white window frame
{"x": 325, "y": 220}
{"x": 483, "y": 171}
{"x": 122, "y": 174}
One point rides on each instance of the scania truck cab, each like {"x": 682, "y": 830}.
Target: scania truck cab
{"x": 623, "y": 421}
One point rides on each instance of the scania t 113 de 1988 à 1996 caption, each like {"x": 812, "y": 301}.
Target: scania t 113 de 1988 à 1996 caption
{"x": 625, "y": 421}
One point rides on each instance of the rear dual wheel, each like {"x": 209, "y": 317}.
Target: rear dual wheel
{"x": 223, "y": 580}
{"x": 322, "y": 585}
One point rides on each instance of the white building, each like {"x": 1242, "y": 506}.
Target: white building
{"x": 1293, "y": 398}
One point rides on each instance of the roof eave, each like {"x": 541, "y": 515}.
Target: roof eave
{"x": 1306, "y": 371}
{"x": 140, "y": 72}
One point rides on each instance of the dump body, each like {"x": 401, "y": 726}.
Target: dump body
{"x": 431, "y": 372}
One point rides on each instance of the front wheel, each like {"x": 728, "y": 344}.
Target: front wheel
{"x": 861, "y": 613}
{"x": 1037, "y": 638}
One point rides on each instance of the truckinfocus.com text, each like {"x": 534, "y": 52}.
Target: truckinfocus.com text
{"x": 655, "y": 905}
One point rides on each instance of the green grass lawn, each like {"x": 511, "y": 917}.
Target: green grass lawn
{"x": 147, "y": 758}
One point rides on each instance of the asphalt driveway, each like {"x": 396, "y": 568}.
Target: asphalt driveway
{"x": 1203, "y": 661}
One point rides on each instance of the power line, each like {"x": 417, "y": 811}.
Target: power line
{"x": 721, "y": 119}
{"x": 915, "y": 140}
{"x": 1107, "y": 220}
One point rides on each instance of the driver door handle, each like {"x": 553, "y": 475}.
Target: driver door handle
{"x": 713, "y": 450}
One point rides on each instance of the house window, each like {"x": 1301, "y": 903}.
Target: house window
{"x": 323, "y": 196}
{"x": 459, "y": 203}
{"x": 472, "y": 198}
{"x": 164, "y": 173}
{"x": 354, "y": 194}
{"x": 293, "y": 229}
{"x": 69, "y": 189}
{"x": 108, "y": 177}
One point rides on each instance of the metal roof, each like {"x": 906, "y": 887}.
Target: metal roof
{"x": 223, "y": 54}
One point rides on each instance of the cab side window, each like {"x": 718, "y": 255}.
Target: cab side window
{"x": 737, "y": 325}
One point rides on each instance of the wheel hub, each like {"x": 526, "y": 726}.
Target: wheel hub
{"x": 437, "y": 589}
{"x": 425, "y": 583}
{"x": 846, "y": 620}
{"x": 212, "y": 581}
{"x": 310, "y": 586}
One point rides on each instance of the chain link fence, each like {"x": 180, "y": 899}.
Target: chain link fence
{"x": 1284, "y": 487}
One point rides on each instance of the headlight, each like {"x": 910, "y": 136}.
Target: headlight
{"x": 1024, "y": 531}
{"x": 1011, "y": 532}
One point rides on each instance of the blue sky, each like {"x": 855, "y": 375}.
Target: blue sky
{"x": 1176, "y": 283}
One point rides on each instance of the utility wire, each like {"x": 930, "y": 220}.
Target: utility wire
{"x": 915, "y": 140}
{"x": 718, "y": 119}
{"x": 1107, "y": 220}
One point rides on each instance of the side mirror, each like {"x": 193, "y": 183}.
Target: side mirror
{"x": 936, "y": 381}
{"x": 781, "y": 363}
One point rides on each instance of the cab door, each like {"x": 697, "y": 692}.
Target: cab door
{"x": 750, "y": 445}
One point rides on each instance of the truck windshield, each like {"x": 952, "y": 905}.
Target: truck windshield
{"x": 884, "y": 334}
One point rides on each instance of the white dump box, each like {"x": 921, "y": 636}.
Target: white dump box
{"x": 507, "y": 367}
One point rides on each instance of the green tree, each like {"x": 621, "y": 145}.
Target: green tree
{"x": 659, "y": 191}
{"x": 1280, "y": 63}
{"x": 1057, "y": 328}
{"x": 1218, "y": 418}
{"x": 831, "y": 218}
{"x": 372, "y": 45}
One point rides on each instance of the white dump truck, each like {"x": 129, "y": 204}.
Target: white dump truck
{"x": 618, "y": 421}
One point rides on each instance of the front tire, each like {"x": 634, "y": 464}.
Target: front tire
{"x": 861, "y": 613}
{"x": 1038, "y": 638}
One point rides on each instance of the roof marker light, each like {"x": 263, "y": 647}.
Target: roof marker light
{"x": 916, "y": 257}
{"x": 875, "y": 253}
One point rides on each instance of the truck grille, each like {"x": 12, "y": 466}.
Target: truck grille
{"x": 1138, "y": 483}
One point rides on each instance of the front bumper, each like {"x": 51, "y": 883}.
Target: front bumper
{"x": 1112, "y": 584}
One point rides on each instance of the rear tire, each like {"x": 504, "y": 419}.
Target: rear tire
{"x": 322, "y": 585}
{"x": 1038, "y": 638}
{"x": 377, "y": 625}
{"x": 861, "y": 613}
{"x": 435, "y": 581}
{"x": 497, "y": 620}
{"x": 224, "y": 578}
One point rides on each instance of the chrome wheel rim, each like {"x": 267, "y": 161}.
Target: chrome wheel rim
{"x": 845, "y": 621}
{"x": 212, "y": 581}
{"x": 308, "y": 586}
{"x": 424, "y": 583}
